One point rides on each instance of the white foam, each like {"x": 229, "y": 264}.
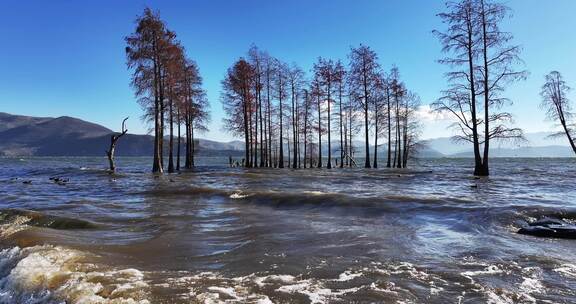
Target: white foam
{"x": 228, "y": 291}
{"x": 238, "y": 195}
{"x": 315, "y": 192}
{"x": 51, "y": 272}
{"x": 567, "y": 270}
{"x": 491, "y": 269}
{"x": 348, "y": 275}
{"x": 213, "y": 287}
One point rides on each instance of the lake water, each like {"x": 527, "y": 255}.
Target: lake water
{"x": 431, "y": 234}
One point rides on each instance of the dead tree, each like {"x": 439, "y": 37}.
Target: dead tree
{"x": 557, "y": 106}
{"x": 113, "y": 140}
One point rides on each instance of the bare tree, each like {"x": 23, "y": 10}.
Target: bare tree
{"x": 557, "y": 105}
{"x": 461, "y": 41}
{"x": 269, "y": 72}
{"x": 363, "y": 72}
{"x": 388, "y": 93}
{"x": 281, "y": 84}
{"x": 194, "y": 108}
{"x": 411, "y": 127}
{"x": 307, "y": 126}
{"x": 379, "y": 101}
{"x": 256, "y": 59}
{"x": 482, "y": 65}
{"x": 316, "y": 90}
{"x": 340, "y": 78}
{"x": 113, "y": 140}
{"x": 325, "y": 72}
{"x": 296, "y": 82}
{"x": 399, "y": 93}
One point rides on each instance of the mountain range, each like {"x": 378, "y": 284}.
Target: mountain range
{"x": 68, "y": 136}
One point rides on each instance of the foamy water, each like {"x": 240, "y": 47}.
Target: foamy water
{"x": 47, "y": 274}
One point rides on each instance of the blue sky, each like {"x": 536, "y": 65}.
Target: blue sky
{"x": 67, "y": 57}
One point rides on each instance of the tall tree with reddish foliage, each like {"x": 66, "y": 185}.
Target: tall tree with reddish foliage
{"x": 145, "y": 53}
{"x": 237, "y": 98}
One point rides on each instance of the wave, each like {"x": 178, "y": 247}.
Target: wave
{"x": 52, "y": 274}
{"x": 11, "y": 218}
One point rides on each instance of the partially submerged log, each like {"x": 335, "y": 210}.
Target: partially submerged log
{"x": 551, "y": 228}
{"x": 113, "y": 140}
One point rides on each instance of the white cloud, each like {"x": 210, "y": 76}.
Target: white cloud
{"x": 426, "y": 114}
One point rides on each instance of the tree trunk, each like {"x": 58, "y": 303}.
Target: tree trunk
{"x": 171, "y": 147}
{"x": 350, "y": 135}
{"x": 178, "y": 150}
{"x": 329, "y": 166}
{"x": 294, "y": 127}
{"x": 398, "y": 135}
{"x": 367, "y": 162}
{"x": 270, "y": 161}
{"x": 156, "y": 164}
{"x": 281, "y": 153}
{"x": 341, "y": 125}
{"x": 246, "y": 130}
{"x": 389, "y": 128}
{"x": 319, "y": 132}
{"x": 484, "y": 171}
{"x": 375, "y": 165}
{"x": 262, "y": 141}
{"x": 255, "y": 161}
{"x": 192, "y": 144}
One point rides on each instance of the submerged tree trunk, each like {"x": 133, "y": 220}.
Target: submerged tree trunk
{"x": 171, "y": 145}
{"x": 269, "y": 110}
{"x": 350, "y": 147}
{"x": 113, "y": 140}
{"x": 157, "y": 162}
{"x": 192, "y": 144}
{"x": 398, "y": 136}
{"x": 281, "y": 153}
{"x": 262, "y": 141}
{"x": 375, "y": 164}
{"x": 319, "y": 133}
{"x": 341, "y": 125}
{"x": 294, "y": 129}
{"x": 179, "y": 138}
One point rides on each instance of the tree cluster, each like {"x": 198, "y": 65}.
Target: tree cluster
{"x": 285, "y": 117}
{"x": 168, "y": 86}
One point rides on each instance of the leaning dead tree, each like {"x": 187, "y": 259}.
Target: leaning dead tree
{"x": 555, "y": 102}
{"x": 113, "y": 140}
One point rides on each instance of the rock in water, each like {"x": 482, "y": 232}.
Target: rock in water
{"x": 552, "y": 228}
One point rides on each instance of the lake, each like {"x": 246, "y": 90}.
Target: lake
{"x": 430, "y": 234}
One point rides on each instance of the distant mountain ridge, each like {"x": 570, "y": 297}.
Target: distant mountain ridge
{"x": 537, "y": 144}
{"x": 67, "y": 136}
